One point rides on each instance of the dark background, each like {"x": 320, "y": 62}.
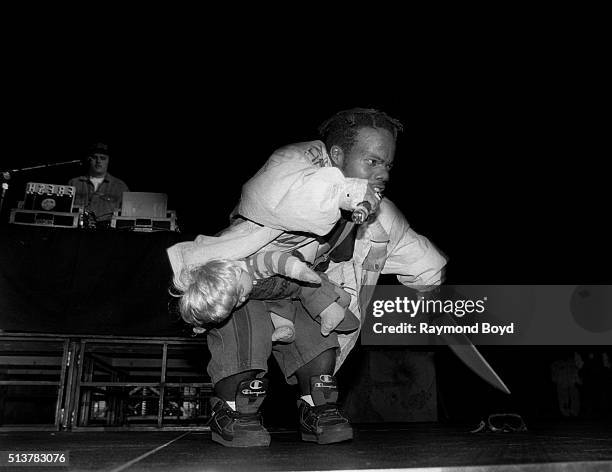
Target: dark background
{"x": 500, "y": 165}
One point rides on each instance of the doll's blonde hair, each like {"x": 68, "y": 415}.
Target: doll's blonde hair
{"x": 210, "y": 291}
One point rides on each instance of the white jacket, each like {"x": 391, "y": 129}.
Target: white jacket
{"x": 299, "y": 190}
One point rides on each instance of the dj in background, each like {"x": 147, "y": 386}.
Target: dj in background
{"x": 99, "y": 192}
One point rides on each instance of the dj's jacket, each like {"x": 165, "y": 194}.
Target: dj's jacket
{"x": 101, "y": 202}
{"x": 299, "y": 190}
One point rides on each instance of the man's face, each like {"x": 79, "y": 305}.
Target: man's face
{"x": 98, "y": 164}
{"x": 370, "y": 158}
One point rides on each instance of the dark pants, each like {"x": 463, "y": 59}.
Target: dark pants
{"x": 279, "y": 293}
{"x": 244, "y": 342}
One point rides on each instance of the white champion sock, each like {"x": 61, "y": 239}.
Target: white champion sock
{"x": 308, "y": 399}
{"x": 232, "y": 405}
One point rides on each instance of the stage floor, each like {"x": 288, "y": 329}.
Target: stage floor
{"x": 562, "y": 446}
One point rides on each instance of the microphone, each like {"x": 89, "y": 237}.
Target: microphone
{"x": 42, "y": 166}
{"x": 363, "y": 211}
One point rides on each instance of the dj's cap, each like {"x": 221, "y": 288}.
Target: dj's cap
{"x": 98, "y": 148}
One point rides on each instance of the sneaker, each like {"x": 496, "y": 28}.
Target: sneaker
{"x": 323, "y": 423}
{"x": 243, "y": 427}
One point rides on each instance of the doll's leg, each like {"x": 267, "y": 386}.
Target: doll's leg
{"x": 327, "y": 304}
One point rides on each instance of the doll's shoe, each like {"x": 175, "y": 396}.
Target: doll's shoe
{"x": 243, "y": 427}
{"x": 323, "y": 423}
{"x": 348, "y": 321}
{"x": 283, "y": 334}
{"x": 349, "y": 324}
